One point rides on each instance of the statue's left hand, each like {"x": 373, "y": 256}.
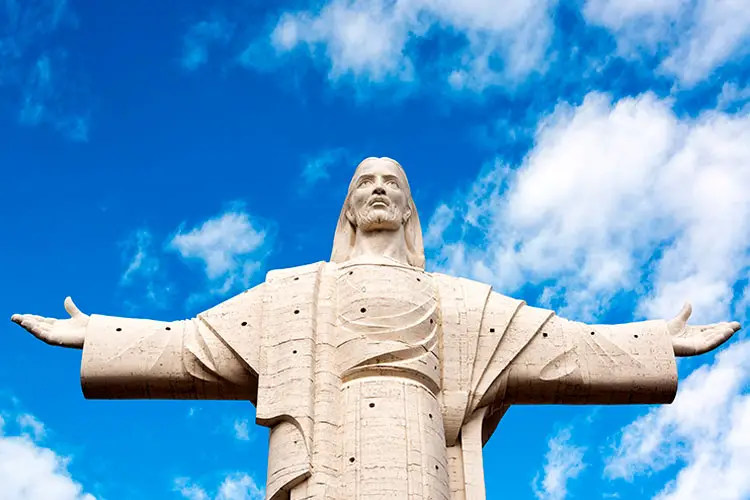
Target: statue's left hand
{"x": 689, "y": 340}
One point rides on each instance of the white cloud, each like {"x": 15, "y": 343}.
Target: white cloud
{"x": 374, "y": 41}
{"x": 141, "y": 260}
{"x": 563, "y": 462}
{"x": 695, "y": 36}
{"x": 231, "y": 248}
{"x": 29, "y": 425}
{"x": 237, "y": 486}
{"x": 706, "y": 431}
{"x": 612, "y": 196}
{"x": 734, "y": 96}
{"x": 30, "y": 471}
{"x": 144, "y": 271}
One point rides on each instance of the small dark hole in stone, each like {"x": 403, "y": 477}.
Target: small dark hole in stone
{"x": 351, "y": 272}
{"x": 437, "y": 467}
{"x": 296, "y": 311}
{"x": 372, "y": 405}
{"x": 118, "y": 329}
{"x": 296, "y": 278}
{"x": 492, "y": 330}
{"x": 351, "y": 459}
{"x": 636, "y": 335}
{"x": 294, "y": 351}
{"x": 429, "y": 415}
{"x": 592, "y": 333}
{"x": 244, "y": 323}
{"x": 544, "y": 334}
{"x": 363, "y": 310}
{"x": 419, "y": 279}
{"x": 295, "y": 442}
{"x": 168, "y": 328}
{"x": 432, "y": 321}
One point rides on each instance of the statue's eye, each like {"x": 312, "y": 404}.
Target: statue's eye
{"x": 365, "y": 182}
{"x": 392, "y": 184}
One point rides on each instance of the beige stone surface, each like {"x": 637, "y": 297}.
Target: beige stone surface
{"x": 377, "y": 379}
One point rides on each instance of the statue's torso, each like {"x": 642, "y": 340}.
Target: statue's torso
{"x": 387, "y": 323}
{"x": 388, "y": 338}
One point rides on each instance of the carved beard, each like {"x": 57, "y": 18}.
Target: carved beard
{"x": 379, "y": 219}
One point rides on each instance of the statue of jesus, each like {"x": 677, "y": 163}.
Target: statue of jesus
{"x": 377, "y": 379}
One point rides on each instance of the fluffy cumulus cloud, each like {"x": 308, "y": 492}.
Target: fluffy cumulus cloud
{"x": 28, "y": 469}
{"x": 377, "y": 41}
{"x": 563, "y": 462}
{"x": 230, "y": 247}
{"x": 238, "y": 486}
{"x": 613, "y": 195}
{"x": 477, "y": 44}
{"x": 693, "y": 37}
{"x": 706, "y": 431}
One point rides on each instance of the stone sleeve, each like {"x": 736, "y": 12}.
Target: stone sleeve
{"x": 143, "y": 359}
{"x": 568, "y": 362}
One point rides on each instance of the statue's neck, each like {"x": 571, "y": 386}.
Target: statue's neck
{"x": 378, "y": 244}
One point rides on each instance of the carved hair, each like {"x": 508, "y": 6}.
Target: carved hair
{"x": 343, "y": 240}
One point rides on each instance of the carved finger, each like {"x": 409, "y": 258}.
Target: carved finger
{"x": 685, "y": 312}
{"x": 25, "y": 321}
{"x": 71, "y": 308}
{"x": 677, "y": 324}
{"x": 720, "y": 336}
{"x": 35, "y": 327}
{"x": 689, "y": 346}
{"x": 17, "y": 318}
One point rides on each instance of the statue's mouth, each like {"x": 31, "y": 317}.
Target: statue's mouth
{"x": 379, "y": 202}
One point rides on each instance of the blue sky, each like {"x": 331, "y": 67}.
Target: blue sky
{"x": 591, "y": 156}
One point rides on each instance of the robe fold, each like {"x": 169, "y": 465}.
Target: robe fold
{"x": 283, "y": 345}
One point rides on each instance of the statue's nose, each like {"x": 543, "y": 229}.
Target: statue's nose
{"x": 379, "y": 190}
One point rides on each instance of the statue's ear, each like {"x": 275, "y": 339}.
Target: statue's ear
{"x": 350, "y": 216}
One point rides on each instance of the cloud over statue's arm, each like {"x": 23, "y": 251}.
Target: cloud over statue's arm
{"x": 212, "y": 356}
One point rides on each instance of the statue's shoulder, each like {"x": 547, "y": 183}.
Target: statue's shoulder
{"x": 295, "y": 272}
{"x": 445, "y": 280}
{"x": 477, "y": 290}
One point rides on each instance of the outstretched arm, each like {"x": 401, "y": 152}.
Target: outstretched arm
{"x": 208, "y": 357}
{"x": 569, "y": 362}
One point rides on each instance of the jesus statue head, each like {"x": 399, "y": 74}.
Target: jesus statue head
{"x": 379, "y": 218}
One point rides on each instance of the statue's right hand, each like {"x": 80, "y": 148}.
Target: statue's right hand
{"x": 61, "y": 332}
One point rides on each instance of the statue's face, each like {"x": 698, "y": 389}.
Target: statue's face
{"x": 378, "y": 201}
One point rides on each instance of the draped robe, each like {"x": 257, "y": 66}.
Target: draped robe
{"x": 377, "y": 381}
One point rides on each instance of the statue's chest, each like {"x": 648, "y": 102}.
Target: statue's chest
{"x": 383, "y": 300}
{"x": 387, "y": 318}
